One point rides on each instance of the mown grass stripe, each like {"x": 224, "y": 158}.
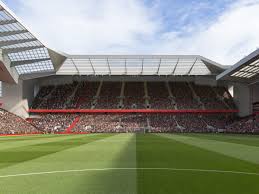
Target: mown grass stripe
{"x": 115, "y": 151}
{"x": 33, "y": 141}
{"x": 26, "y": 153}
{"x": 238, "y": 151}
{"x": 250, "y": 140}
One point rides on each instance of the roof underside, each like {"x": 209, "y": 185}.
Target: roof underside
{"x": 26, "y": 53}
{"x": 246, "y": 70}
{"x": 138, "y": 65}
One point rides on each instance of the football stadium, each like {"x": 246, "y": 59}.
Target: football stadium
{"x": 124, "y": 124}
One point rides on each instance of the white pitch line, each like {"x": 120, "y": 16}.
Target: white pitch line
{"x": 110, "y": 169}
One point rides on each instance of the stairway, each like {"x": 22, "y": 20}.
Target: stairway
{"x": 73, "y": 124}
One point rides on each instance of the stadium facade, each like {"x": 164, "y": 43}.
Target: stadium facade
{"x": 27, "y": 65}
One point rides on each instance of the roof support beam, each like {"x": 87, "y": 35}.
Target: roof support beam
{"x": 5, "y": 22}
{"x": 142, "y": 67}
{"x": 192, "y": 66}
{"x": 25, "y": 62}
{"x": 12, "y": 42}
{"x": 159, "y": 65}
{"x": 109, "y": 67}
{"x": 10, "y": 33}
{"x": 75, "y": 66}
{"x": 125, "y": 67}
{"x": 92, "y": 66}
{"x": 178, "y": 60}
{"x": 21, "y": 49}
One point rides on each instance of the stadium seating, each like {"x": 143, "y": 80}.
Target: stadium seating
{"x": 244, "y": 125}
{"x": 53, "y": 123}
{"x": 11, "y": 124}
{"x": 138, "y": 95}
{"x": 124, "y": 123}
{"x": 133, "y": 95}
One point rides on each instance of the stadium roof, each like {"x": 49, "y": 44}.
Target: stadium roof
{"x": 26, "y": 53}
{"x": 139, "y": 65}
{"x": 31, "y": 58}
{"x": 246, "y": 70}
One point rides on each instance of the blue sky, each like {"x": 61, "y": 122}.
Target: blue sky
{"x": 222, "y": 30}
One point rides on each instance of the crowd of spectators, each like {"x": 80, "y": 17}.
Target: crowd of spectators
{"x": 244, "y": 125}
{"x": 85, "y": 95}
{"x": 159, "y": 96}
{"x": 155, "y": 123}
{"x": 125, "y": 123}
{"x": 184, "y": 96}
{"x": 53, "y": 123}
{"x": 225, "y": 96}
{"x": 11, "y": 124}
{"x": 110, "y": 123}
{"x": 134, "y": 95}
{"x": 109, "y": 96}
{"x": 209, "y": 97}
{"x": 139, "y": 95}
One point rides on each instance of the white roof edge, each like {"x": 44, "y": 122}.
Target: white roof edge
{"x": 215, "y": 63}
{"x": 239, "y": 64}
{"x": 26, "y": 27}
{"x": 18, "y": 20}
{"x": 131, "y": 56}
{"x": 150, "y": 56}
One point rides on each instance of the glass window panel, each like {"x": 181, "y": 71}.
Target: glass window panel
{"x": 43, "y": 66}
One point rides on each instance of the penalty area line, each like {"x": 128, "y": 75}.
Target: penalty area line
{"x": 125, "y": 169}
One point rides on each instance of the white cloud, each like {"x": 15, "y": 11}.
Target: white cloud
{"x": 226, "y": 40}
{"x": 119, "y": 26}
{"x": 88, "y": 26}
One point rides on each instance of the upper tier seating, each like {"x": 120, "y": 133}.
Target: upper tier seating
{"x": 133, "y": 95}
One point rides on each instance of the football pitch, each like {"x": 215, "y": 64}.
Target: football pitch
{"x": 130, "y": 164}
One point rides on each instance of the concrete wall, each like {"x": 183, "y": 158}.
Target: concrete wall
{"x": 255, "y": 92}
{"x": 243, "y": 99}
{"x": 18, "y": 97}
{"x": 206, "y": 81}
{"x": 7, "y": 73}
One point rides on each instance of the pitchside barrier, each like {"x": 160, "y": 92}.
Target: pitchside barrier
{"x": 125, "y": 111}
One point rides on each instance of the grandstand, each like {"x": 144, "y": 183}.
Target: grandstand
{"x": 60, "y": 93}
{"x": 105, "y": 124}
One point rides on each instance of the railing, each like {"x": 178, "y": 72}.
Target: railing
{"x": 125, "y": 111}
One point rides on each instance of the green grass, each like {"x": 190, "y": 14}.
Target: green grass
{"x": 130, "y": 164}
